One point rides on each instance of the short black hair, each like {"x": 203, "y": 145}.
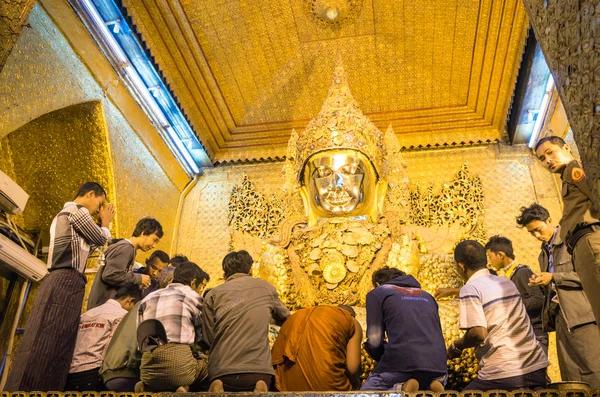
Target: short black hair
{"x": 91, "y": 187}
{"x": 131, "y": 291}
{"x": 237, "y": 262}
{"x": 555, "y": 140}
{"x": 471, "y": 254}
{"x": 178, "y": 259}
{"x": 349, "y": 309}
{"x": 147, "y": 226}
{"x": 534, "y": 212}
{"x": 500, "y": 244}
{"x": 386, "y": 274}
{"x": 189, "y": 271}
{"x": 157, "y": 255}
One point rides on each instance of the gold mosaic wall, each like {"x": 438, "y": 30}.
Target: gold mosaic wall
{"x": 42, "y": 74}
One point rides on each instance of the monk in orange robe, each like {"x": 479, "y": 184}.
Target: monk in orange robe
{"x": 318, "y": 349}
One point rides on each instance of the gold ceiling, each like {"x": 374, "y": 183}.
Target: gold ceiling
{"x": 246, "y": 72}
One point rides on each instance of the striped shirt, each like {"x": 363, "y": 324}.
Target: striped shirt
{"x": 96, "y": 328}
{"x": 73, "y": 237}
{"x": 179, "y": 308}
{"x": 510, "y": 348}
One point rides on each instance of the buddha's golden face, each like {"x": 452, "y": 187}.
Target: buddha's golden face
{"x": 340, "y": 182}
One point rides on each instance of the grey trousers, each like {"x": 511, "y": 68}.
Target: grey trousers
{"x": 578, "y": 352}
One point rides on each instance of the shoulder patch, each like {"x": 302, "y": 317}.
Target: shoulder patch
{"x": 577, "y": 174}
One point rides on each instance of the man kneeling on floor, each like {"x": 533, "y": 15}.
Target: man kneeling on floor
{"x": 172, "y": 366}
{"x": 414, "y": 356}
{"x": 96, "y": 329}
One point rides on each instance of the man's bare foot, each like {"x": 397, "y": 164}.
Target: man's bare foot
{"x": 436, "y": 386}
{"x": 410, "y": 386}
{"x": 139, "y": 387}
{"x": 216, "y": 387}
{"x": 182, "y": 389}
{"x": 261, "y": 387}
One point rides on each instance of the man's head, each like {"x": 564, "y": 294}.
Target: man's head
{"x": 349, "y": 309}
{"x": 469, "y": 256}
{"x": 536, "y": 219}
{"x": 165, "y": 276}
{"x": 128, "y": 296}
{"x": 237, "y": 262}
{"x": 92, "y": 196}
{"x": 156, "y": 263}
{"x": 148, "y": 232}
{"x": 178, "y": 259}
{"x": 190, "y": 274}
{"x": 385, "y": 274}
{"x": 554, "y": 153}
{"x": 499, "y": 251}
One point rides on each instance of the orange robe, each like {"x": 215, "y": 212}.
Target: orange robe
{"x": 309, "y": 353}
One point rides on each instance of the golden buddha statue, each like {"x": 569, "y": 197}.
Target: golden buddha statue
{"x": 329, "y": 246}
{"x": 345, "y": 212}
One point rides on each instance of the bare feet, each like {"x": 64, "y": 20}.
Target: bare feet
{"x": 216, "y": 387}
{"x": 436, "y": 386}
{"x": 139, "y": 387}
{"x": 410, "y": 386}
{"x": 261, "y": 387}
{"x": 182, "y": 389}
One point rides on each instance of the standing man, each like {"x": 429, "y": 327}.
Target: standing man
{"x": 235, "y": 324}
{"x": 117, "y": 270}
{"x": 497, "y": 326}
{"x": 44, "y": 357}
{"x": 414, "y": 356}
{"x": 501, "y": 256}
{"x": 580, "y": 223}
{"x": 566, "y": 308}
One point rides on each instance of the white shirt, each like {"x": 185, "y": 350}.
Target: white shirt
{"x": 510, "y": 348}
{"x": 96, "y": 328}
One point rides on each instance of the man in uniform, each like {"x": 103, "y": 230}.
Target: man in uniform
{"x": 580, "y": 223}
{"x": 566, "y": 308}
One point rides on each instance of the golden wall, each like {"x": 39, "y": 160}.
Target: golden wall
{"x": 66, "y": 147}
{"x": 58, "y": 130}
{"x": 511, "y": 178}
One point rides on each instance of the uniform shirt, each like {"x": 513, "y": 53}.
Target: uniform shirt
{"x": 578, "y": 209}
{"x": 96, "y": 329}
{"x": 510, "y": 348}
{"x": 179, "y": 308}
{"x": 73, "y": 236}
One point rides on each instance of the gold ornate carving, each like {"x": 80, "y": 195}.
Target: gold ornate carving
{"x": 13, "y": 14}
{"x": 251, "y": 212}
{"x": 333, "y": 13}
{"x": 568, "y": 35}
{"x": 460, "y": 201}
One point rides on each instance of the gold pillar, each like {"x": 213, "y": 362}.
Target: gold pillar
{"x": 568, "y": 35}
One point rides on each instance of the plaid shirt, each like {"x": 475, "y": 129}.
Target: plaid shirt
{"x": 73, "y": 236}
{"x": 179, "y": 309}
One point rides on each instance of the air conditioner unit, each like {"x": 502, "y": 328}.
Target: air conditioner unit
{"x": 17, "y": 259}
{"x": 12, "y": 197}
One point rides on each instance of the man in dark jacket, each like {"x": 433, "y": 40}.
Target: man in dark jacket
{"x": 414, "y": 356}
{"x": 154, "y": 265}
{"x": 501, "y": 256}
{"x": 117, "y": 271}
{"x": 566, "y": 307}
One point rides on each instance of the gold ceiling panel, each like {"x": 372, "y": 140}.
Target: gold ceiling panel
{"x": 246, "y": 72}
